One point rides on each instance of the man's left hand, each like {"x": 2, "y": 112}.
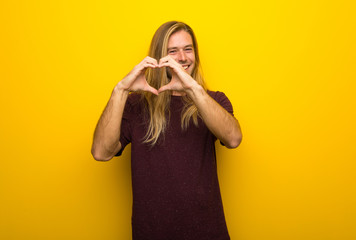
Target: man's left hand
{"x": 181, "y": 80}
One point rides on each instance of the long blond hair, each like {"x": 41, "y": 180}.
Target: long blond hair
{"x": 158, "y": 106}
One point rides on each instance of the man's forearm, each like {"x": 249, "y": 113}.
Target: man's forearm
{"x": 107, "y": 132}
{"x": 220, "y": 122}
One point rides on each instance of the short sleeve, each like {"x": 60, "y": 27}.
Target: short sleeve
{"x": 125, "y": 134}
{"x": 222, "y": 99}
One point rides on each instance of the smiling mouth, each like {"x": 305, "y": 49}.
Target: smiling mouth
{"x": 186, "y": 67}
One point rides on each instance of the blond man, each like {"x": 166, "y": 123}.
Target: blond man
{"x": 162, "y": 107}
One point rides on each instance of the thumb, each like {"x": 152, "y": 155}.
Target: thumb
{"x": 151, "y": 89}
{"x": 165, "y": 88}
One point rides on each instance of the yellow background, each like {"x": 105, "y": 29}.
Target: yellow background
{"x": 288, "y": 67}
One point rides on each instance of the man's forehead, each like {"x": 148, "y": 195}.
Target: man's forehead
{"x": 180, "y": 39}
{"x": 182, "y": 46}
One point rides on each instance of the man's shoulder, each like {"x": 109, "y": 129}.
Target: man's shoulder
{"x": 216, "y": 95}
{"x": 222, "y": 99}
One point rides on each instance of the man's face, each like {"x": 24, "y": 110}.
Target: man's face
{"x": 180, "y": 48}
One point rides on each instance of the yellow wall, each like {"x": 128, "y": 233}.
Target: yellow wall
{"x": 287, "y": 66}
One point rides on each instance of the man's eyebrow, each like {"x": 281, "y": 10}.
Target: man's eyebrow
{"x": 189, "y": 45}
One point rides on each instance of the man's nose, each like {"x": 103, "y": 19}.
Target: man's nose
{"x": 181, "y": 56}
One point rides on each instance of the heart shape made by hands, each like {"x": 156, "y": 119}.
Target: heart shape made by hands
{"x": 136, "y": 79}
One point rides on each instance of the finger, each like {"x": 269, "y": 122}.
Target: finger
{"x": 149, "y": 65}
{"x": 172, "y": 66}
{"x": 164, "y": 64}
{"x": 164, "y": 59}
{"x": 165, "y": 88}
{"x": 151, "y": 89}
{"x": 150, "y": 60}
{"x": 142, "y": 66}
{"x": 167, "y": 64}
{"x": 145, "y": 64}
{"x": 169, "y": 60}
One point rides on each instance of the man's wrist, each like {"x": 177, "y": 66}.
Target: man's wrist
{"x": 120, "y": 90}
{"x": 195, "y": 91}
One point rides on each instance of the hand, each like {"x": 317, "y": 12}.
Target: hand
{"x": 136, "y": 79}
{"x": 181, "y": 80}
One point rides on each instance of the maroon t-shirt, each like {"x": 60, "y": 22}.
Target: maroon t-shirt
{"x": 175, "y": 186}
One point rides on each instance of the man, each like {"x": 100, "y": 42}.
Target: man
{"x": 172, "y": 122}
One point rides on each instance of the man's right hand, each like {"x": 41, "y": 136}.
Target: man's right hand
{"x": 136, "y": 79}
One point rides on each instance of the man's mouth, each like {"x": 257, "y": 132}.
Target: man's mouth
{"x": 185, "y": 67}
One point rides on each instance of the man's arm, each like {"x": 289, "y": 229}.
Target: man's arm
{"x": 221, "y": 123}
{"x": 106, "y": 142}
